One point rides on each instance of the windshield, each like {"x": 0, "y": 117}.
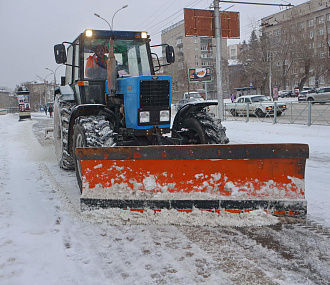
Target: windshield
{"x": 259, "y": 99}
{"x": 131, "y": 58}
{"x": 194, "y": 95}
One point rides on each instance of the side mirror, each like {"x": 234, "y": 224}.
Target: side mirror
{"x": 60, "y": 53}
{"x": 170, "y": 56}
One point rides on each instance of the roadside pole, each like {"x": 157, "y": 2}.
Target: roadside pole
{"x": 217, "y": 21}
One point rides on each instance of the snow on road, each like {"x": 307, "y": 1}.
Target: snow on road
{"x": 45, "y": 239}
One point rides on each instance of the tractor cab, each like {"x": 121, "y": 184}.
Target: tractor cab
{"x": 86, "y": 61}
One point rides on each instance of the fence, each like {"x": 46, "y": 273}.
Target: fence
{"x": 306, "y": 113}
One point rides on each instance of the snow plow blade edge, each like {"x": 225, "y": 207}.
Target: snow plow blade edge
{"x": 233, "y": 178}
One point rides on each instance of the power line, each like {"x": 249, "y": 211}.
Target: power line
{"x": 156, "y": 29}
{"x": 255, "y": 3}
{"x": 155, "y": 13}
{"x": 193, "y": 3}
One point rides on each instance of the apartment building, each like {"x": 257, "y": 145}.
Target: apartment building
{"x": 304, "y": 30}
{"x": 192, "y": 52}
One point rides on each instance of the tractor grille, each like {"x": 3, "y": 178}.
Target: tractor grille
{"x": 154, "y": 93}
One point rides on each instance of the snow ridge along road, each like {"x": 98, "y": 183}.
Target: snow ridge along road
{"x": 45, "y": 239}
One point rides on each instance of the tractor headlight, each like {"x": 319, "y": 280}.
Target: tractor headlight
{"x": 164, "y": 116}
{"x": 89, "y": 33}
{"x": 144, "y": 35}
{"x": 144, "y": 117}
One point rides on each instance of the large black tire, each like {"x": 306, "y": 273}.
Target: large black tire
{"x": 92, "y": 131}
{"x": 62, "y": 113}
{"x": 201, "y": 128}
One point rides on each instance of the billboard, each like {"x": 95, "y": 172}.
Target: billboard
{"x": 200, "y": 23}
{"x": 200, "y": 74}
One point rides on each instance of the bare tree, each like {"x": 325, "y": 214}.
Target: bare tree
{"x": 254, "y": 59}
{"x": 304, "y": 56}
{"x": 282, "y": 48}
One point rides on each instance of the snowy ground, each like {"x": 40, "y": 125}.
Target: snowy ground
{"x": 45, "y": 239}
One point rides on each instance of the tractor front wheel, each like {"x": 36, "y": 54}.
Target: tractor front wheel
{"x": 201, "y": 128}
{"x": 92, "y": 131}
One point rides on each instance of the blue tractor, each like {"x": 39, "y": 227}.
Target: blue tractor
{"x": 111, "y": 96}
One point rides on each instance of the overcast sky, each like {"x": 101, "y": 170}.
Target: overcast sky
{"x": 31, "y": 28}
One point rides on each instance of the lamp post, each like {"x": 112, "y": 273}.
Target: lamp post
{"x": 44, "y": 80}
{"x": 111, "y": 26}
{"x": 125, "y": 6}
{"x": 217, "y": 20}
{"x": 53, "y": 72}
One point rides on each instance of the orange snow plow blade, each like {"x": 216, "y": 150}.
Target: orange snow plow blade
{"x": 233, "y": 178}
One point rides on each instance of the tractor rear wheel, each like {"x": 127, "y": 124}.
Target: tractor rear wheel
{"x": 62, "y": 113}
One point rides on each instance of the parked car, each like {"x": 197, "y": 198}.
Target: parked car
{"x": 258, "y": 105}
{"x": 284, "y": 93}
{"x": 190, "y": 95}
{"x": 322, "y": 95}
{"x": 302, "y": 96}
{"x": 186, "y": 101}
{"x": 294, "y": 93}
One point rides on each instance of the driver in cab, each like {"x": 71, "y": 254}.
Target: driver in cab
{"x": 96, "y": 66}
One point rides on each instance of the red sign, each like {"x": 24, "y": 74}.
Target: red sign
{"x": 200, "y": 23}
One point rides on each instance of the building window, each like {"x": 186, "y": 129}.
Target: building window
{"x": 232, "y": 53}
{"x": 321, "y": 54}
{"x": 320, "y": 44}
{"x": 179, "y": 41}
{"x": 277, "y": 32}
{"x": 196, "y": 63}
{"x": 328, "y": 17}
{"x": 301, "y": 26}
{"x": 206, "y": 55}
{"x": 310, "y": 23}
{"x": 311, "y": 34}
{"x": 320, "y": 20}
{"x": 196, "y": 55}
{"x": 196, "y": 41}
{"x": 320, "y": 32}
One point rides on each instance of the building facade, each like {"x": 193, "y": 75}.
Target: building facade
{"x": 299, "y": 43}
{"x": 193, "y": 52}
{"x": 8, "y": 101}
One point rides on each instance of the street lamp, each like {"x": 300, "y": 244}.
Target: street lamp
{"x": 125, "y": 6}
{"x": 97, "y": 15}
{"x": 54, "y": 72}
{"x": 111, "y": 26}
{"x": 44, "y": 80}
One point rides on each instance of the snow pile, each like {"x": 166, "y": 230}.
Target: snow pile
{"x": 174, "y": 217}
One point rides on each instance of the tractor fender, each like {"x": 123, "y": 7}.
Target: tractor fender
{"x": 187, "y": 110}
{"x": 88, "y": 110}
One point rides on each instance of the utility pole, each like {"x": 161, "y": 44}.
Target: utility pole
{"x": 217, "y": 21}
{"x": 269, "y": 55}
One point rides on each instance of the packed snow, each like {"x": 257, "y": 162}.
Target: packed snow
{"x": 46, "y": 239}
